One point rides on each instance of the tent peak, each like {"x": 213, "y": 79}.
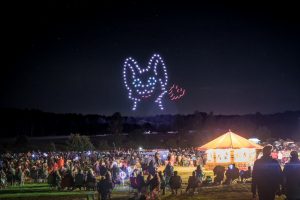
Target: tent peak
{"x": 230, "y": 140}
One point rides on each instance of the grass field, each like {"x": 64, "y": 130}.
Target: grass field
{"x": 42, "y": 191}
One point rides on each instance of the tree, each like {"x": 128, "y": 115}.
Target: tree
{"x": 22, "y": 143}
{"x": 180, "y": 124}
{"x": 52, "y": 147}
{"x": 136, "y": 135}
{"x": 171, "y": 142}
{"x": 116, "y": 123}
{"x": 21, "y": 140}
{"x": 263, "y": 133}
{"x": 79, "y": 142}
{"x": 210, "y": 122}
{"x": 116, "y": 127}
{"x": 103, "y": 145}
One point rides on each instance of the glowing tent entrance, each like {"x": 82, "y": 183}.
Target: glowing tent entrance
{"x": 228, "y": 149}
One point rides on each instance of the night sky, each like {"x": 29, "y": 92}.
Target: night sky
{"x": 230, "y": 58}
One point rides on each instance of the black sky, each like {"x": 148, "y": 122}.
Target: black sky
{"x": 231, "y": 58}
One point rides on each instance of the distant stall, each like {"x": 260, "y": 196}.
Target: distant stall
{"x": 230, "y": 148}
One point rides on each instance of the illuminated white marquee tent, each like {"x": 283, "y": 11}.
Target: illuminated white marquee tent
{"x": 230, "y": 148}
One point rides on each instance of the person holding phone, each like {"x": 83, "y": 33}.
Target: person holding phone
{"x": 232, "y": 174}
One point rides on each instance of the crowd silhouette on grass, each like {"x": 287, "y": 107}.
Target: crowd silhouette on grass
{"x": 101, "y": 171}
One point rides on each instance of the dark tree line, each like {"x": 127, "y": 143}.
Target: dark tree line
{"x": 16, "y": 122}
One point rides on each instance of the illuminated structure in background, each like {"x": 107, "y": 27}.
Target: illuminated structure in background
{"x": 230, "y": 148}
{"x": 176, "y": 92}
{"x": 142, "y": 83}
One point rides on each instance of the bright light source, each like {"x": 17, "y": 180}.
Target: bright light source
{"x": 255, "y": 140}
{"x": 140, "y": 148}
{"x": 129, "y": 170}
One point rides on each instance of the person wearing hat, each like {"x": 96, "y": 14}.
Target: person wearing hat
{"x": 291, "y": 177}
{"x": 266, "y": 176}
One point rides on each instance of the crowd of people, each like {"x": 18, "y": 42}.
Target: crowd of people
{"x": 102, "y": 171}
{"x": 268, "y": 178}
{"x": 81, "y": 170}
{"x": 281, "y": 149}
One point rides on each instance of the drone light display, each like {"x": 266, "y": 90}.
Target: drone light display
{"x": 176, "y": 92}
{"x": 142, "y": 83}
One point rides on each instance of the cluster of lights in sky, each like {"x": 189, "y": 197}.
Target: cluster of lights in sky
{"x": 176, "y": 92}
{"x": 142, "y": 83}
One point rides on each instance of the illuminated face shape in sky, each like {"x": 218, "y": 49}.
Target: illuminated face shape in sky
{"x": 142, "y": 83}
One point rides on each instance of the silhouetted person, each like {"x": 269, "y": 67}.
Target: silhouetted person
{"x": 168, "y": 172}
{"x": 207, "y": 181}
{"x": 79, "y": 180}
{"x": 11, "y": 175}
{"x": 232, "y": 173}
{"x": 219, "y": 173}
{"x": 105, "y": 187}
{"x": 291, "y": 179}
{"x": 175, "y": 182}
{"x": 162, "y": 183}
{"x": 57, "y": 179}
{"x": 154, "y": 183}
{"x": 115, "y": 171}
{"x": 193, "y": 183}
{"x": 90, "y": 180}
{"x": 67, "y": 180}
{"x": 246, "y": 174}
{"x": 103, "y": 170}
{"x": 3, "y": 180}
{"x": 34, "y": 173}
{"x": 151, "y": 168}
{"x": 140, "y": 182}
{"x": 266, "y": 176}
{"x": 199, "y": 173}
{"x": 133, "y": 181}
{"x": 19, "y": 176}
{"x": 157, "y": 160}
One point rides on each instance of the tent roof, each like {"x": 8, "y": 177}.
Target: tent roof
{"x": 230, "y": 140}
